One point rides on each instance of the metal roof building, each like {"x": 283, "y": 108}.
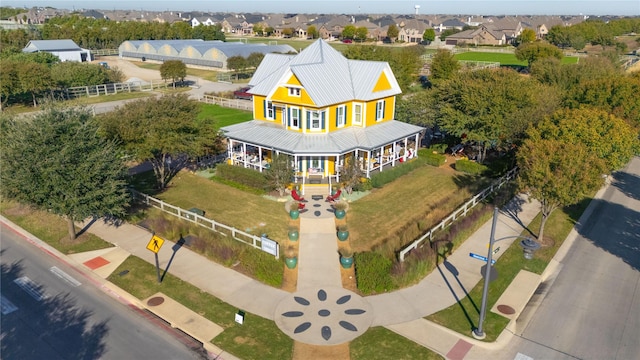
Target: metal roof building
{"x": 66, "y": 49}
{"x": 195, "y": 52}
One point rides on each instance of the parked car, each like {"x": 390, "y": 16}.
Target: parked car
{"x": 347, "y": 41}
{"x": 242, "y": 93}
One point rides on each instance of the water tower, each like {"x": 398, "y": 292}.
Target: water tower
{"x": 417, "y": 7}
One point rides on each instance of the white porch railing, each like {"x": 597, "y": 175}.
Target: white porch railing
{"x": 239, "y": 235}
{"x": 460, "y": 212}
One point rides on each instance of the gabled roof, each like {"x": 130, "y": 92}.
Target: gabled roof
{"x": 327, "y": 76}
{"x": 51, "y": 45}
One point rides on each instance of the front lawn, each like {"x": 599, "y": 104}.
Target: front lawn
{"x": 224, "y": 116}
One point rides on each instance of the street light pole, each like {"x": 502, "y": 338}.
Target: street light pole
{"x": 529, "y": 247}
{"x": 478, "y": 333}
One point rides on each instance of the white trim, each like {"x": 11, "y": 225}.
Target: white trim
{"x": 355, "y": 105}
{"x": 299, "y": 117}
{"x": 268, "y": 108}
{"x": 380, "y": 110}
{"x": 343, "y": 116}
{"x": 319, "y": 127}
{"x": 294, "y": 91}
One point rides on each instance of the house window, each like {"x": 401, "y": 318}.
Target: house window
{"x": 341, "y": 116}
{"x": 269, "y": 110}
{"x": 294, "y": 91}
{"x": 357, "y": 114}
{"x": 315, "y": 120}
{"x": 295, "y": 118}
{"x": 380, "y": 110}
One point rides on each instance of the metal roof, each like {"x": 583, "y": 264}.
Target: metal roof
{"x": 274, "y": 136}
{"x": 51, "y": 45}
{"x": 327, "y": 76}
{"x": 229, "y": 49}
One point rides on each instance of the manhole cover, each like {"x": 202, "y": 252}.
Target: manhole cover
{"x": 316, "y": 197}
{"x": 506, "y": 309}
{"x": 317, "y": 213}
{"x": 316, "y": 205}
{"x": 155, "y": 301}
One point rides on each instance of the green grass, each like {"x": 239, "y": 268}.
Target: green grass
{"x": 505, "y": 59}
{"x": 380, "y": 343}
{"x": 224, "y": 116}
{"x": 463, "y": 316}
{"x": 245, "y": 211}
{"x": 385, "y": 212}
{"x": 258, "y": 338}
{"x": 50, "y": 228}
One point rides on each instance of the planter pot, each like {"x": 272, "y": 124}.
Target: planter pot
{"x": 346, "y": 262}
{"x": 343, "y": 235}
{"x": 291, "y": 262}
{"x": 294, "y": 214}
{"x": 340, "y": 214}
{"x": 294, "y": 235}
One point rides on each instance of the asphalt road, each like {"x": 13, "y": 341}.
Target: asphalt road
{"x": 51, "y": 311}
{"x": 592, "y": 310}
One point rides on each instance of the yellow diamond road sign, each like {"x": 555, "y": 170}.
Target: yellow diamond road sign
{"x": 155, "y": 244}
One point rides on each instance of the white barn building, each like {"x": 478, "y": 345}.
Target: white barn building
{"x": 66, "y": 50}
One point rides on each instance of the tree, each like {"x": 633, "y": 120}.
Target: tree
{"x": 312, "y": 32}
{"x": 164, "y": 131}
{"x": 8, "y": 80}
{"x": 526, "y": 36}
{"x": 237, "y": 63}
{"x": 57, "y": 162}
{"x": 34, "y": 78}
{"x": 288, "y": 32}
{"x": 616, "y": 95}
{"x": 258, "y": 29}
{"x": 448, "y": 32}
{"x": 393, "y": 32}
{"x": 492, "y": 107}
{"x": 349, "y": 32}
{"x": 549, "y": 173}
{"x": 254, "y": 59}
{"x": 351, "y": 175}
{"x": 361, "y": 33}
{"x": 429, "y": 35}
{"x": 268, "y": 31}
{"x": 444, "y": 65}
{"x": 609, "y": 138}
{"x": 537, "y": 50}
{"x": 174, "y": 70}
{"x": 280, "y": 172}
{"x": 70, "y": 73}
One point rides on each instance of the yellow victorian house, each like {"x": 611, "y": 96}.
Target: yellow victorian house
{"x": 323, "y": 110}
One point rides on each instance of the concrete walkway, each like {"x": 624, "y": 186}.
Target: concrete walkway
{"x": 317, "y": 312}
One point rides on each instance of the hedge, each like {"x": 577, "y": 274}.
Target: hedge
{"x": 382, "y": 178}
{"x": 434, "y": 159}
{"x": 470, "y": 167}
{"x": 244, "y": 176}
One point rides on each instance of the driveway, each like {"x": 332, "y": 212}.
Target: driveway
{"x": 199, "y": 87}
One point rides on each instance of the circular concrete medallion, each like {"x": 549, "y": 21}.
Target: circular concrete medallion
{"x": 155, "y": 301}
{"x": 326, "y": 316}
{"x": 506, "y": 309}
{"x": 317, "y": 213}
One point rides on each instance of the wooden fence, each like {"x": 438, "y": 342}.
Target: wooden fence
{"x": 460, "y": 212}
{"x": 230, "y": 103}
{"x": 239, "y": 235}
{"x": 110, "y": 89}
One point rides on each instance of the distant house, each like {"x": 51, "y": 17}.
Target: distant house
{"x": 66, "y": 50}
{"x": 483, "y": 35}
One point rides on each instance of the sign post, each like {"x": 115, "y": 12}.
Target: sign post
{"x": 154, "y": 245}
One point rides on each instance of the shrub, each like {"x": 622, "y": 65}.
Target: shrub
{"x": 243, "y": 176}
{"x": 373, "y": 273}
{"x": 439, "y": 148}
{"x": 470, "y": 167}
{"x": 382, "y": 178}
{"x": 433, "y": 159}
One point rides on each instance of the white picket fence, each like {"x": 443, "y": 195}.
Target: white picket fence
{"x": 239, "y": 235}
{"x": 230, "y": 103}
{"x": 460, "y": 212}
{"x": 110, "y": 89}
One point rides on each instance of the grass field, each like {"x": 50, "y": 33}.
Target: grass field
{"x": 505, "y": 59}
{"x": 224, "y": 116}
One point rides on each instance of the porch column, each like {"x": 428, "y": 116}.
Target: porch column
{"x": 415, "y": 151}
{"x": 260, "y": 158}
{"x": 381, "y": 159}
{"x": 230, "y": 149}
{"x": 406, "y": 150}
{"x": 368, "y": 163}
{"x": 244, "y": 155}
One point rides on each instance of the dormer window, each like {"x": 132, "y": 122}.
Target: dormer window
{"x": 294, "y": 91}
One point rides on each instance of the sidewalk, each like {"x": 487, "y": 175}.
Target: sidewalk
{"x": 401, "y": 311}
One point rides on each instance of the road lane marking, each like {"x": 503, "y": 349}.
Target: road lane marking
{"x": 31, "y": 288}
{"x": 64, "y": 276}
{"x": 7, "y": 306}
